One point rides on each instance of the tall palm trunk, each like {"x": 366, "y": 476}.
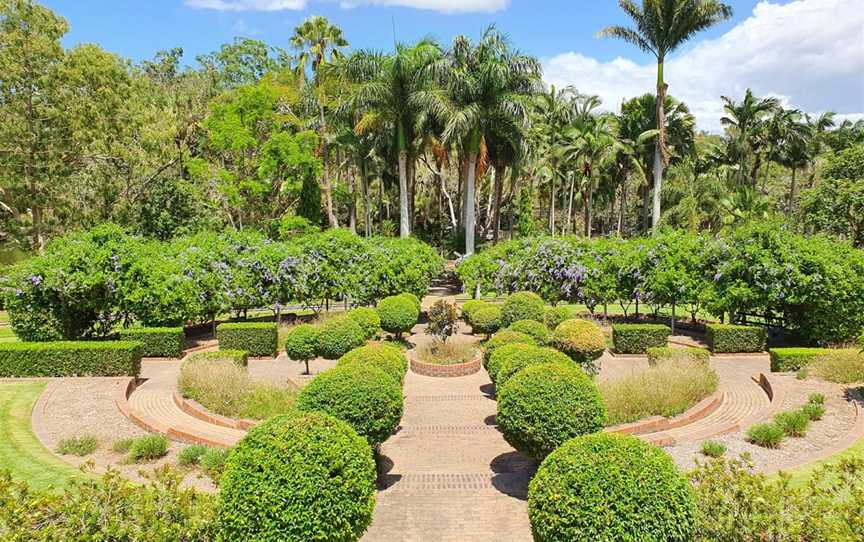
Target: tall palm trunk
{"x": 792, "y": 189}
{"x": 622, "y": 206}
{"x": 659, "y": 147}
{"x": 552, "y": 202}
{"x": 588, "y": 200}
{"x": 352, "y": 209}
{"x": 469, "y": 203}
{"x": 404, "y": 226}
{"x": 367, "y": 203}
{"x": 325, "y": 177}
{"x": 499, "y": 185}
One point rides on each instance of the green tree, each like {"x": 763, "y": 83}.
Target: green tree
{"x": 243, "y": 62}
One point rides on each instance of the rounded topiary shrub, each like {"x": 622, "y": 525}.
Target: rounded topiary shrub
{"x": 368, "y": 320}
{"x": 522, "y": 306}
{"x": 363, "y": 396}
{"x": 386, "y": 357}
{"x": 338, "y": 336}
{"x": 511, "y": 363}
{"x": 414, "y": 299}
{"x": 470, "y": 306}
{"x": 301, "y": 344}
{"x": 505, "y": 336}
{"x": 298, "y": 477}
{"x": 555, "y": 315}
{"x": 537, "y": 330}
{"x": 542, "y": 406}
{"x": 486, "y": 320}
{"x": 581, "y": 340}
{"x": 398, "y": 314}
{"x": 610, "y": 487}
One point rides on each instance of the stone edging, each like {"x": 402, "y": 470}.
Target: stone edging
{"x": 196, "y": 410}
{"x": 447, "y": 371}
{"x": 655, "y": 424}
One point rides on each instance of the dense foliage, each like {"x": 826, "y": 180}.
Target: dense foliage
{"x": 510, "y": 363}
{"x": 727, "y": 338}
{"x": 386, "y": 357}
{"x": 257, "y": 339}
{"x": 503, "y": 337}
{"x": 536, "y": 330}
{"x": 582, "y": 340}
{"x": 368, "y": 320}
{"x": 398, "y": 314}
{"x": 486, "y": 320}
{"x": 667, "y": 353}
{"x": 638, "y": 338}
{"x": 522, "y": 306}
{"x": 70, "y": 358}
{"x": 339, "y": 335}
{"x": 792, "y": 359}
{"x": 166, "y": 342}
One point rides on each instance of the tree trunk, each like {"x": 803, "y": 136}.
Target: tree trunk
{"x": 570, "y": 219}
{"x": 622, "y": 208}
{"x": 499, "y": 186}
{"x": 469, "y": 203}
{"x": 552, "y": 203}
{"x": 659, "y": 147}
{"x": 325, "y": 177}
{"x": 404, "y": 225}
{"x": 410, "y": 170}
{"x": 352, "y": 209}
{"x": 589, "y": 200}
{"x": 792, "y": 189}
{"x": 367, "y": 204}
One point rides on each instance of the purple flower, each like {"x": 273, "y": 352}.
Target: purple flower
{"x": 19, "y": 292}
{"x": 36, "y": 280}
{"x": 718, "y": 276}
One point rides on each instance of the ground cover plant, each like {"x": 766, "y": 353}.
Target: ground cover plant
{"x": 79, "y": 445}
{"x": 767, "y": 435}
{"x": 841, "y": 366}
{"x": 665, "y": 353}
{"x": 446, "y": 353}
{"x": 147, "y": 448}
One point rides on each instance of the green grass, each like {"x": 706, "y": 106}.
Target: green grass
{"x": 20, "y": 451}
{"x": 802, "y": 475}
{"x": 7, "y": 335}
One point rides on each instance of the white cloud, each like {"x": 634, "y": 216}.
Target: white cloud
{"x": 247, "y": 5}
{"x": 809, "y": 53}
{"x": 445, "y": 6}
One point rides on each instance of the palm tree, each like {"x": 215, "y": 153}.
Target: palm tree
{"x": 318, "y": 42}
{"x": 747, "y": 122}
{"x": 554, "y": 110}
{"x": 661, "y": 27}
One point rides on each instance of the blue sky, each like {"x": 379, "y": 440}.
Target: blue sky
{"x": 808, "y": 52}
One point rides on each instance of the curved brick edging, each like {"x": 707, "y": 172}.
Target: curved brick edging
{"x": 700, "y": 410}
{"x": 447, "y": 371}
{"x": 196, "y": 410}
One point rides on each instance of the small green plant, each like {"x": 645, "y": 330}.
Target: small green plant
{"x": 81, "y": 445}
{"x": 301, "y": 343}
{"x": 813, "y": 411}
{"x": 712, "y": 448}
{"x": 122, "y": 446}
{"x": 443, "y": 317}
{"x": 794, "y": 423}
{"x": 147, "y": 448}
{"x": 816, "y": 399}
{"x": 213, "y": 462}
{"x": 801, "y": 374}
{"x": 767, "y": 435}
{"x": 191, "y": 455}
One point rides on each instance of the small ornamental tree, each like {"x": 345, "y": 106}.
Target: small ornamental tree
{"x": 486, "y": 320}
{"x": 301, "y": 344}
{"x": 398, "y": 314}
{"x": 443, "y": 319}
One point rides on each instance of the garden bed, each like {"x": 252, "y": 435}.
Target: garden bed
{"x": 446, "y": 371}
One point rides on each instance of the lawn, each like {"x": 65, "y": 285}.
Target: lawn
{"x": 20, "y": 450}
{"x": 802, "y": 475}
{"x": 7, "y": 335}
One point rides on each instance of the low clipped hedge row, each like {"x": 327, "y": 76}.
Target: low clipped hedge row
{"x": 638, "y": 338}
{"x": 158, "y": 342}
{"x": 259, "y": 339}
{"x": 70, "y": 358}
{"x": 792, "y": 359}
{"x": 731, "y": 338}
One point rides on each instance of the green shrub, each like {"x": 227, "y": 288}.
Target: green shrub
{"x": 728, "y": 338}
{"x": 840, "y": 366}
{"x": 386, "y": 357}
{"x": 160, "y": 342}
{"x": 338, "y": 336}
{"x": 792, "y": 359}
{"x": 610, "y": 487}
{"x": 555, "y": 315}
{"x": 522, "y": 306}
{"x": 486, "y": 320}
{"x": 638, "y": 338}
{"x": 213, "y": 462}
{"x": 81, "y": 445}
{"x": 688, "y": 353}
{"x": 364, "y": 397}
{"x": 712, "y": 448}
{"x": 582, "y": 340}
{"x": 70, "y": 358}
{"x": 301, "y": 343}
{"x": 443, "y": 319}
{"x": 264, "y": 400}
{"x": 240, "y": 358}
{"x": 767, "y": 435}
{"x": 510, "y": 363}
{"x": 537, "y": 331}
{"x": 298, "y": 478}
{"x": 398, "y": 314}
{"x": 506, "y": 352}
{"x": 122, "y": 446}
{"x": 413, "y": 298}
{"x": 542, "y": 406}
{"x": 368, "y": 320}
{"x": 191, "y": 455}
{"x": 816, "y": 399}
{"x": 148, "y": 448}
{"x": 505, "y": 336}
{"x": 472, "y": 305}
{"x": 257, "y": 338}
{"x": 813, "y": 411}
{"x": 794, "y": 423}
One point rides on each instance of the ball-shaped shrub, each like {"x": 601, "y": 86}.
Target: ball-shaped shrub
{"x": 363, "y": 396}
{"x": 542, "y": 406}
{"x": 298, "y": 477}
{"x": 338, "y": 336}
{"x": 580, "y": 339}
{"x": 486, "y": 321}
{"x": 414, "y": 299}
{"x": 555, "y": 315}
{"x": 506, "y": 352}
{"x": 610, "y": 487}
{"x": 301, "y": 343}
{"x": 511, "y": 365}
{"x": 386, "y": 357}
{"x": 368, "y": 320}
{"x": 398, "y": 314}
{"x": 505, "y": 336}
{"x": 522, "y": 306}
{"x": 470, "y": 306}
{"x": 538, "y": 331}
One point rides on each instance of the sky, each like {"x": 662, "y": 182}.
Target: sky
{"x": 808, "y": 53}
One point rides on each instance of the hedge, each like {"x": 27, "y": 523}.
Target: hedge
{"x": 522, "y": 306}
{"x": 238, "y": 357}
{"x": 338, "y": 336}
{"x": 158, "y": 342}
{"x": 398, "y": 314}
{"x": 689, "y": 353}
{"x": 510, "y": 365}
{"x": 555, "y": 315}
{"x": 792, "y": 359}
{"x": 486, "y": 320}
{"x": 638, "y": 338}
{"x": 537, "y": 330}
{"x": 472, "y": 305}
{"x": 730, "y": 338}
{"x": 70, "y": 358}
{"x": 581, "y": 340}
{"x": 505, "y": 336}
{"x": 386, "y": 357}
{"x": 368, "y": 320}
{"x": 258, "y": 339}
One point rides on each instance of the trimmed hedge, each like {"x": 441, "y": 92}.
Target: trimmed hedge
{"x": 71, "y": 358}
{"x": 792, "y": 359}
{"x": 730, "y": 338}
{"x": 301, "y": 342}
{"x": 259, "y": 339}
{"x": 368, "y": 320}
{"x": 298, "y": 477}
{"x": 386, "y": 357}
{"x": 413, "y": 298}
{"x": 610, "y": 487}
{"x": 666, "y": 353}
{"x": 361, "y": 395}
{"x": 638, "y": 338}
{"x": 505, "y": 336}
{"x": 472, "y": 305}
{"x": 157, "y": 342}
{"x": 538, "y": 331}
{"x": 238, "y": 357}
{"x": 398, "y": 314}
{"x": 506, "y": 352}
{"x": 486, "y": 320}
{"x": 582, "y": 340}
{"x": 536, "y": 355}
{"x": 338, "y": 336}
{"x": 555, "y": 315}
{"x": 522, "y": 306}
{"x": 543, "y": 406}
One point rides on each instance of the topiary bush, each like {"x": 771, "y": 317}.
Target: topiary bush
{"x": 259, "y": 339}
{"x": 582, "y": 340}
{"x": 368, "y": 320}
{"x": 539, "y": 332}
{"x": 688, "y": 353}
{"x": 486, "y": 320}
{"x": 301, "y": 343}
{"x": 555, "y": 315}
{"x": 472, "y": 305}
{"x": 398, "y": 314}
{"x": 159, "y": 342}
{"x": 70, "y": 358}
{"x": 505, "y": 336}
{"x": 522, "y": 306}
{"x": 413, "y": 298}
{"x": 542, "y": 406}
{"x": 510, "y": 363}
{"x": 363, "y": 396}
{"x": 386, "y": 357}
{"x": 295, "y": 478}
{"x": 729, "y": 338}
{"x": 506, "y": 352}
{"x": 610, "y": 487}
{"x": 792, "y": 359}
{"x": 338, "y": 336}
{"x": 638, "y": 338}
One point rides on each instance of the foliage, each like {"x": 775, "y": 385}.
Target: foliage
{"x": 522, "y": 306}
{"x": 238, "y": 357}
{"x": 841, "y": 366}
{"x": 363, "y": 396}
{"x": 470, "y": 306}
{"x": 443, "y": 319}
{"x": 368, "y": 320}
{"x": 398, "y": 314}
{"x": 534, "y": 329}
{"x": 79, "y": 445}
{"x": 543, "y": 406}
{"x": 338, "y": 336}
{"x": 383, "y": 356}
{"x": 166, "y": 342}
{"x": 665, "y": 353}
{"x": 68, "y": 358}
{"x": 582, "y": 340}
{"x": 610, "y": 487}
{"x": 794, "y": 423}
{"x": 767, "y": 435}
{"x": 555, "y": 315}
{"x": 792, "y": 359}
{"x": 257, "y": 339}
{"x": 451, "y": 353}
{"x": 836, "y": 204}
{"x": 147, "y": 448}
{"x": 301, "y": 343}
{"x": 501, "y": 338}
{"x": 813, "y": 411}
{"x": 486, "y": 320}
{"x": 191, "y": 455}
{"x": 712, "y": 448}
{"x": 638, "y": 338}
{"x": 728, "y": 338}
{"x": 510, "y": 360}
{"x": 278, "y": 482}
